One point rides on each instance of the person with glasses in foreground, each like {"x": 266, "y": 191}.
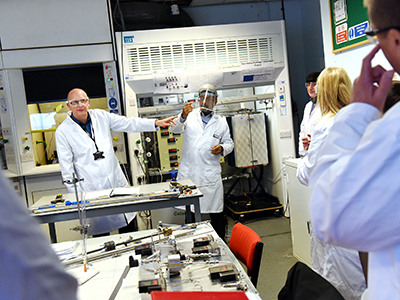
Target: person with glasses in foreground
{"x": 311, "y": 113}
{"x": 84, "y": 142}
{"x": 354, "y": 186}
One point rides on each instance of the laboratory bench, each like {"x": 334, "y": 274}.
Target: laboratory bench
{"x": 173, "y": 264}
{"x": 104, "y": 202}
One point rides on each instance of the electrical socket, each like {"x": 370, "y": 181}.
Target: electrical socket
{"x": 26, "y": 157}
{"x": 285, "y": 134}
{"x": 6, "y": 130}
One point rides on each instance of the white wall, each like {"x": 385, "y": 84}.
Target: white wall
{"x": 351, "y": 59}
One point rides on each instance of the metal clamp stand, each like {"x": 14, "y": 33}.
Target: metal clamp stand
{"x": 82, "y": 227}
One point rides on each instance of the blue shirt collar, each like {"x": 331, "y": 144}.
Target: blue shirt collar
{"x": 87, "y": 126}
{"x": 89, "y": 119}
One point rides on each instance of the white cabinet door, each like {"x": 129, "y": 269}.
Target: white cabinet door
{"x": 299, "y": 215}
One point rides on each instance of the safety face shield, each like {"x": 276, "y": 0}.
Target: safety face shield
{"x": 207, "y": 101}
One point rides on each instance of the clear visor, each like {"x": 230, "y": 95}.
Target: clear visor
{"x": 206, "y": 100}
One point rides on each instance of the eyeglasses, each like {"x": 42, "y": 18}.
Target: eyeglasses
{"x": 310, "y": 83}
{"x": 76, "y": 102}
{"x": 372, "y": 33}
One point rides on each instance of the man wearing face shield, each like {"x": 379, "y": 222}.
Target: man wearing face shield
{"x": 206, "y": 138}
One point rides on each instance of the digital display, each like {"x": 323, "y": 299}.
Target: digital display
{"x": 171, "y": 140}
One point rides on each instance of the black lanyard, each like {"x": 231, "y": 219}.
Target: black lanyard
{"x": 92, "y": 137}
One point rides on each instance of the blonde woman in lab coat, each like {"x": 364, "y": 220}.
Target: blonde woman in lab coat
{"x": 340, "y": 266}
{"x": 206, "y": 138}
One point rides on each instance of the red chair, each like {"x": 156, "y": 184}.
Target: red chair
{"x": 247, "y": 247}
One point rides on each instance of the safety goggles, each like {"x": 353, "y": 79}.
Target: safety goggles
{"x": 372, "y": 33}
{"x": 76, "y": 102}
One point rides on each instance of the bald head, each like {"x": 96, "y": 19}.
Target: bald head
{"x": 79, "y": 104}
{"x": 76, "y": 94}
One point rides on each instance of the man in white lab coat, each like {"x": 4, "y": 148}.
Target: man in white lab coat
{"x": 84, "y": 140}
{"x": 206, "y": 138}
{"x": 355, "y": 184}
{"x": 312, "y": 113}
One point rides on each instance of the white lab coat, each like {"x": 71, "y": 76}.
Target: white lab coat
{"x": 355, "y": 192}
{"x": 319, "y": 131}
{"x": 309, "y": 118}
{"x": 75, "y": 146}
{"x": 29, "y": 267}
{"x": 198, "y": 163}
{"x": 340, "y": 266}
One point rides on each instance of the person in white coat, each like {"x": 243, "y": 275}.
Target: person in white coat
{"x": 29, "y": 268}
{"x": 84, "y": 142}
{"x": 206, "y": 138}
{"x": 355, "y": 186}
{"x": 340, "y": 266}
{"x": 312, "y": 112}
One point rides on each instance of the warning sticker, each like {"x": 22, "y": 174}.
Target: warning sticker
{"x": 341, "y": 33}
{"x": 358, "y": 30}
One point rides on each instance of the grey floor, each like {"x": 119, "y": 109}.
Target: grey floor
{"x": 277, "y": 256}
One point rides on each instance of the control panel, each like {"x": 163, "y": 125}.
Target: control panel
{"x": 114, "y": 106}
{"x": 282, "y": 100}
{"x": 170, "y": 149}
{"x": 7, "y": 141}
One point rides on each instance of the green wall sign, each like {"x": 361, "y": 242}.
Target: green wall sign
{"x": 349, "y": 19}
